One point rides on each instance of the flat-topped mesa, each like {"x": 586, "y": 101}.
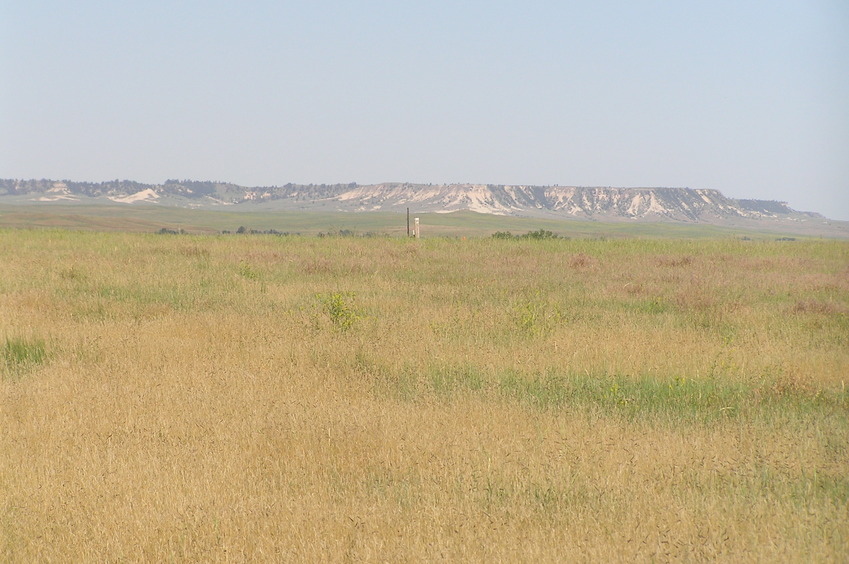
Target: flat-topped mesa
{"x": 581, "y": 202}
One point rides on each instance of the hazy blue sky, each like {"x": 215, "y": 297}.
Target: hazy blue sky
{"x": 748, "y": 97}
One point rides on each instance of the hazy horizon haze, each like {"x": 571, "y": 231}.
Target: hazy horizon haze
{"x": 747, "y": 98}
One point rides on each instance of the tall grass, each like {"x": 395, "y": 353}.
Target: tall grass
{"x": 19, "y": 354}
{"x": 222, "y": 398}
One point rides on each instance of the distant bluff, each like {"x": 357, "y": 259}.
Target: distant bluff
{"x": 600, "y": 203}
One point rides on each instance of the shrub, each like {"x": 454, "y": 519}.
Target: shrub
{"x": 538, "y": 235}
{"x": 248, "y": 271}
{"x": 340, "y": 308}
{"x": 537, "y": 317}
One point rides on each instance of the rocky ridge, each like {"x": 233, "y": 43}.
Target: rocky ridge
{"x": 600, "y": 203}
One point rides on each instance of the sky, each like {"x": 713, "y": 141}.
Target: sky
{"x": 747, "y": 97}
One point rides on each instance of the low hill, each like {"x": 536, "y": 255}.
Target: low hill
{"x": 607, "y": 204}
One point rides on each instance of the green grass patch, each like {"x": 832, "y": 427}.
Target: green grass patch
{"x": 448, "y": 380}
{"x": 656, "y": 400}
{"x": 20, "y": 355}
{"x": 673, "y": 401}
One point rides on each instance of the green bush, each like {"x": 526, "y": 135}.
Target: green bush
{"x": 538, "y": 235}
{"x": 340, "y": 308}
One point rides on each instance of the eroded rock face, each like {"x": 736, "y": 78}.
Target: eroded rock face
{"x": 603, "y": 203}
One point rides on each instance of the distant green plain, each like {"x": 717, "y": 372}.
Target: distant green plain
{"x": 151, "y": 218}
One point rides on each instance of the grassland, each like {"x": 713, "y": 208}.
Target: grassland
{"x": 152, "y": 218}
{"x": 253, "y": 398}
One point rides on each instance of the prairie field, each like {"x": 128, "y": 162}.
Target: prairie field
{"x": 221, "y": 398}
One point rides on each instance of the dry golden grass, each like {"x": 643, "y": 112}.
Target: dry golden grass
{"x": 267, "y": 399}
